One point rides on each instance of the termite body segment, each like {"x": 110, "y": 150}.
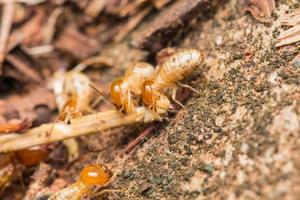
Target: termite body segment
{"x": 177, "y": 67}
{"x": 33, "y": 155}
{"x": 124, "y": 90}
{"x": 92, "y": 175}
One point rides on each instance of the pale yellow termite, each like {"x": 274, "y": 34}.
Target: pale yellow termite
{"x": 73, "y": 94}
{"x": 177, "y": 67}
{"x": 123, "y": 89}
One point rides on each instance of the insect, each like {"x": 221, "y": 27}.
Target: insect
{"x": 13, "y": 164}
{"x": 14, "y": 127}
{"x": 124, "y": 90}
{"x": 91, "y": 175}
{"x": 32, "y": 156}
{"x": 73, "y": 94}
{"x": 73, "y": 97}
{"x": 169, "y": 73}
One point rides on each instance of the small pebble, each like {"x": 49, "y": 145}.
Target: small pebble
{"x": 296, "y": 62}
{"x": 43, "y": 115}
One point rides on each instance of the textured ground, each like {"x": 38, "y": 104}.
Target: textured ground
{"x": 239, "y": 139}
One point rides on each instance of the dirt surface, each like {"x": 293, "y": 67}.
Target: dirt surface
{"x": 237, "y": 139}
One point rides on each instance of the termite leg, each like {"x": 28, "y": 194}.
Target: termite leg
{"x": 174, "y": 91}
{"x": 128, "y": 103}
{"x": 113, "y": 191}
{"x": 189, "y": 87}
{"x": 112, "y": 179}
{"x": 96, "y": 102}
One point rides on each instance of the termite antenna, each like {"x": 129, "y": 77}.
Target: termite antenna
{"x": 98, "y": 158}
{"x": 101, "y": 93}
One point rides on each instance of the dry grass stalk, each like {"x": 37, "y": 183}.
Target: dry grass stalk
{"x": 6, "y": 23}
{"x": 80, "y": 126}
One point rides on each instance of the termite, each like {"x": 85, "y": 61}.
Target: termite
{"x": 73, "y": 94}
{"x": 13, "y": 164}
{"x": 170, "y": 72}
{"x": 32, "y": 156}
{"x": 91, "y": 175}
{"x": 14, "y": 127}
{"x": 124, "y": 90}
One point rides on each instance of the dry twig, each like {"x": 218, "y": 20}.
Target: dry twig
{"x": 131, "y": 24}
{"x": 80, "y": 126}
{"x": 6, "y": 22}
{"x": 24, "y": 68}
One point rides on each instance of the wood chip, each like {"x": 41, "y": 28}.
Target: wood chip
{"x": 26, "y": 31}
{"x": 40, "y": 178}
{"x": 158, "y": 4}
{"x": 24, "y": 68}
{"x": 131, "y": 24}
{"x": 95, "y": 7}
{"x": 261, "y": 10}
{"x": 77, "y": 44}
{"x": 291, "y": 35}
{"x": 155, "y": 34}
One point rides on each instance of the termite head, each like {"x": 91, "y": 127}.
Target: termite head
{"x": 116, "y": 92}
{"x": 120, "y": 98}
{"x": 95, "y": 175}
{"x": 148, "y": 94}
{"x": 154, "y": 99}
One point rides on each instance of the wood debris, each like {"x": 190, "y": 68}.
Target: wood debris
{"x": 24, "y": 68}
{"x": 291, "y": 35}
{"x": 26, "y": 32}
{"x": 6, "y": 23}
{"x": 131, "y": 24}
{"x": 261, "y": 10}
{"x": 87, "y": 124}
{"x": 95, "y": 7}
{"x": 75, "y": 43}
{"x": 158, "y": 4}
{"x": 154, "y": 35}
{"x": 40, "y": 178}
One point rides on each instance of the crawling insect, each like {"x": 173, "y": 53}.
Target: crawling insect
{"x": 15, "y": 127}
{"x": 123, "y": 89}
{"x": 173, "y": 70}
{"x": 73, "y": 94}
{"x": 32, "y": 156}
{"x": 12, "y": 165}
{"x": 92, "y": 175}
{"x": 73, "y": 97}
